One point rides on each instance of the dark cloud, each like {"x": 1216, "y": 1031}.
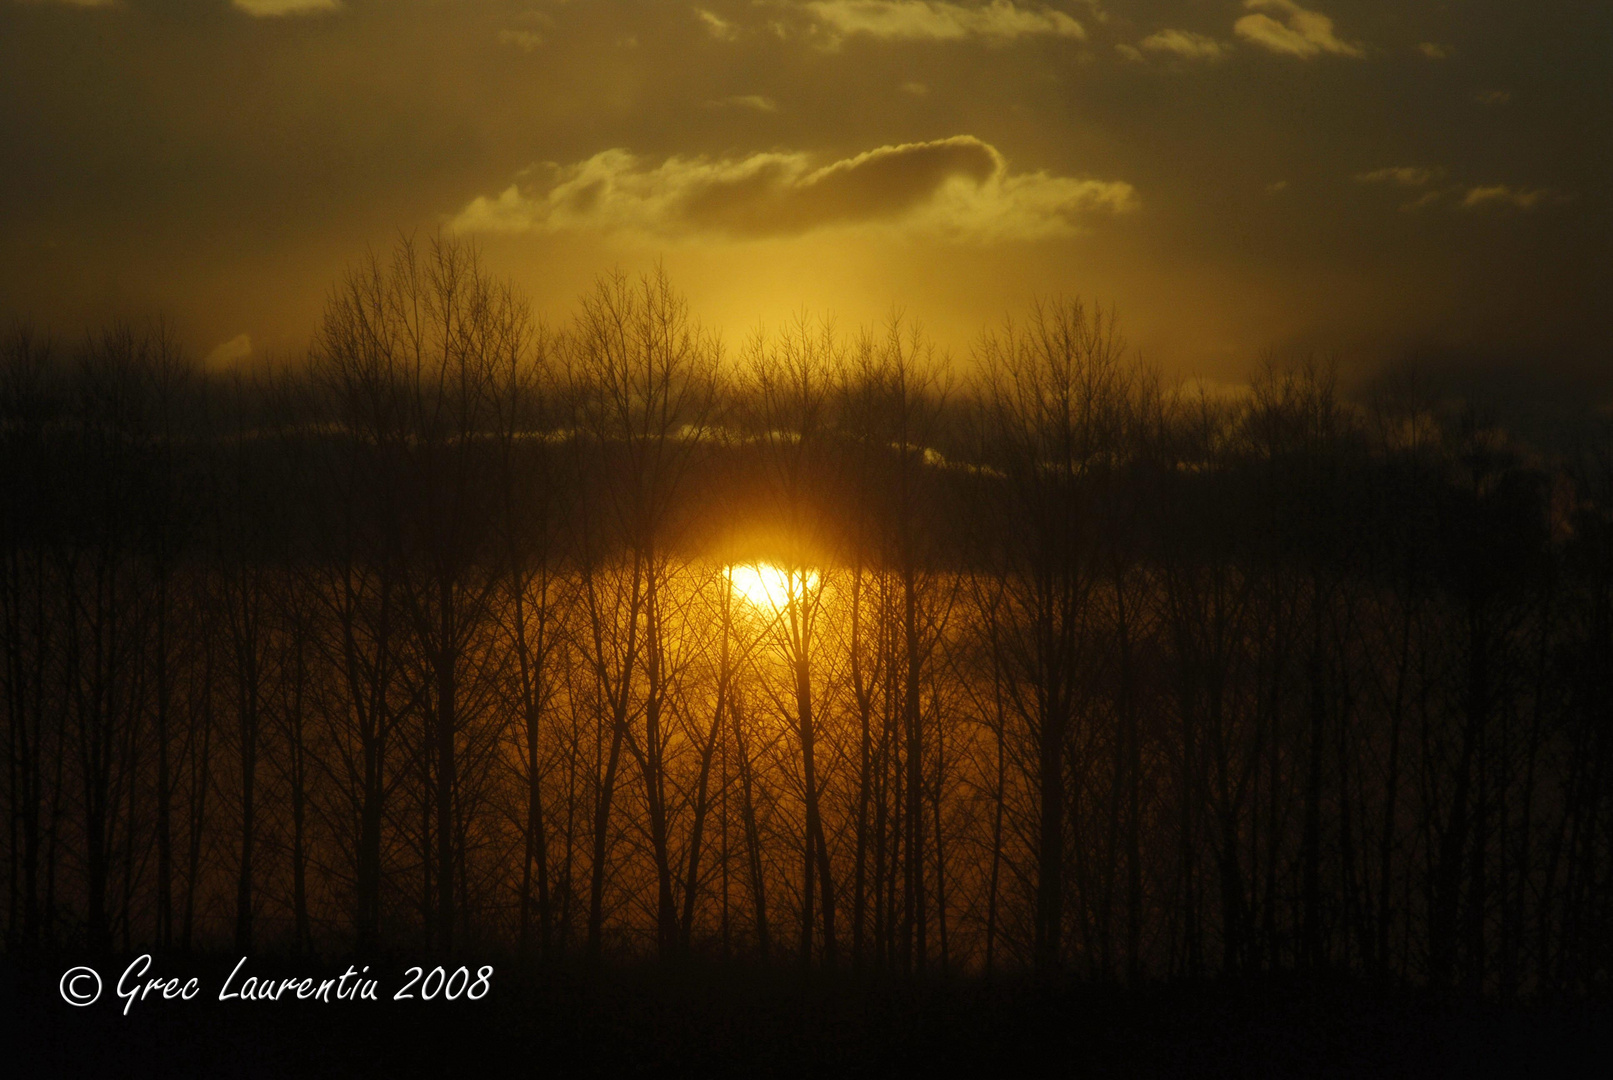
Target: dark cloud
{"x": 958, "y": 187}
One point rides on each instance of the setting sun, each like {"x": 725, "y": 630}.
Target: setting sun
{"x": 763, "y": 585}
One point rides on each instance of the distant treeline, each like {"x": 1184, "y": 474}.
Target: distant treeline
{"x": 472, "y": 634}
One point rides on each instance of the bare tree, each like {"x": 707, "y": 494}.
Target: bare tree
{"x": 644, "y": 379}
{"x": 1053, "y": 393}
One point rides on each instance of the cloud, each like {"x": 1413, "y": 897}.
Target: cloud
{"x": 1401, "y": 175}
{"x": 957, "y": 189}
{"x": 1460, "y": 196}
{"x": 1410, "y": 176}
{"x": 998, "y": 22}
{"x": 1501, "y": 195}
{"x": 1427, "y": 198}
{"x": 268, "y": 9}
{"x": 1301, "y": 32}
{"x": 525, "y": 40}
{"x": 754, "y": 102}
{"x": 233, "y": 351}
{"x": 717, "y": 26}
{"x": 1183, "y": 43}
{"x": 1493, "y": 97}
{"x": 1434, "y": 50}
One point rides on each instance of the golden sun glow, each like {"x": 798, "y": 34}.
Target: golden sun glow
{"x": 768, "y": 587}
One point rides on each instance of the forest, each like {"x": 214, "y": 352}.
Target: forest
{"x": 464, "y": 633}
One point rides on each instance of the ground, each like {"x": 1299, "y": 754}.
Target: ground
{"x": 709, "y": 1022}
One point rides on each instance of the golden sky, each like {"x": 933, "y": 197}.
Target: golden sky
{"x": 1237, "y": 177}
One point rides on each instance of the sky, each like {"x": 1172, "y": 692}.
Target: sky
{"x": 1238, "y": 179}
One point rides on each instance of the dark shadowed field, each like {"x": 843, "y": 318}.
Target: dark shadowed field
{"x": 632, "y": 1022}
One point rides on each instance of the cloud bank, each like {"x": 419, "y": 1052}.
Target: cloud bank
{"x": 958, "y": 189}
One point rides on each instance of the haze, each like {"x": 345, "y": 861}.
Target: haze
{"x": 1238, "y": 178}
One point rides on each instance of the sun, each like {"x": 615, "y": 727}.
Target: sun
{"x": 765, "y": 586}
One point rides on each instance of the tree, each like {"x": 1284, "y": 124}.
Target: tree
{"x": 644, "y": 380}
{"x": 1053, "y": 396}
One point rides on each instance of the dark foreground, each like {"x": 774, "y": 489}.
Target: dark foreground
{"x": 722, "y": 1022}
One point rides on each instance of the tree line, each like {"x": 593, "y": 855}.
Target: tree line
{"x": 468, "y": 633}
